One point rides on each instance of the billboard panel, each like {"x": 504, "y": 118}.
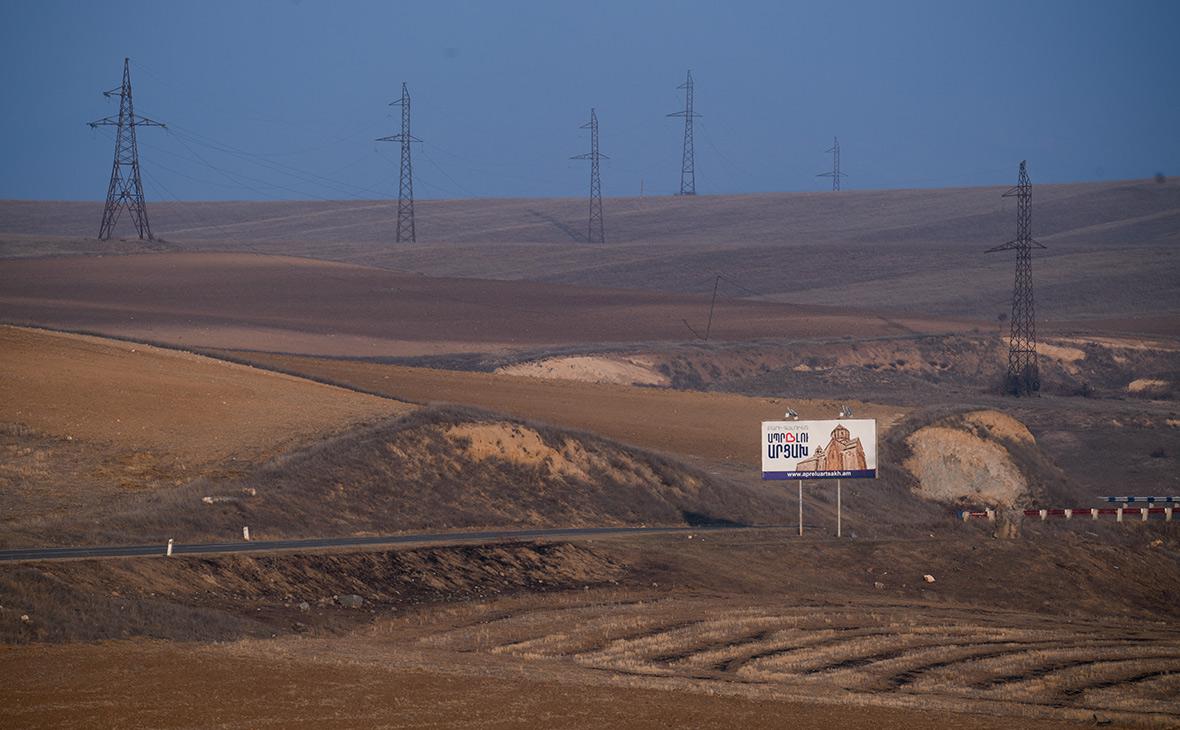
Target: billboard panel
{"x": 840, "y": 449}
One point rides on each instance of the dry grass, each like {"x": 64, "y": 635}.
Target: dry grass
{"x": 888, "y": 654}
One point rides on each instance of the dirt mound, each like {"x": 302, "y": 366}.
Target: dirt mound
{"x": 224, "y": 597}
{"x": 590, "y": 369}
{"x": 1149, "y": 387}
{"x": 1001, "y": 426}
{"x": 967, "y": 460}
{"x": 443, "y": 469}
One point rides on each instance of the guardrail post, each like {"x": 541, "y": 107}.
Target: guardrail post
{"x": 1044, "y": 514}
{"x": 1119, "y": 516}
{"x": 991, "y": 515}
{"x": 1168, "y": 514}
{"x": 1068, "y": 513}
{"x": 246, "y": 534}
{"x": 1143, "y": 511}
{"x": 1093, "y": 514}
{"x": 169, "y": 551}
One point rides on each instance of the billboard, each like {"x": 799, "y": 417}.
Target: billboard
{"x": 842, "y": 449}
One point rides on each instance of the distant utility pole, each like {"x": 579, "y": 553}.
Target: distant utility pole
{"x": 594, "y": 156}
{"x": 835, "y": 174}
{"x": 405, "y": 188}
{"x": 126, "y": 189}
{"x": 688, "y": 175}
{"x": 1023, "y": 376}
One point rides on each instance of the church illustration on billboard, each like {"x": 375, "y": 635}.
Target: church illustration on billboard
{"x": 843, "y": 453}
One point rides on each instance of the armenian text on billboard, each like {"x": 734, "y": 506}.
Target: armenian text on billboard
{"x": 841, "y": 449}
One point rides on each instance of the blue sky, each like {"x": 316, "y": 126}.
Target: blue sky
{"x": 282, "y": 99}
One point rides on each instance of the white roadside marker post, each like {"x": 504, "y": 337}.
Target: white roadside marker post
{"x": 168, "y": 554}
{"x": 246, "y": 534}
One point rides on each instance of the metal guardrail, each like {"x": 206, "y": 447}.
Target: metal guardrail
{"x": 1093, "y": 513}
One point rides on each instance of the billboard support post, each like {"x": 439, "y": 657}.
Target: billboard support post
{"x": 800, "y": 508}
{"x": 837, "y": 508}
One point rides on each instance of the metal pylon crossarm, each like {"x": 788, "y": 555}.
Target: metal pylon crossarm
{"x": 125, "y": 190}
{"x": 406, "y": 230}
{"x": 688, "y": 174}
{"x": 835, "y": 174}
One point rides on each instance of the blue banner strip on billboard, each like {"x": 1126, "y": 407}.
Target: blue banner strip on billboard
{"x": 847, "y": 474}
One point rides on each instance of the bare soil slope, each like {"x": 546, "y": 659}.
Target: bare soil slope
{"x": 717, "y": 427}
{"x": 132, "y": 683}
{"x": 84, "y": 418}
{"x": 913, "y": 251}
{"x": 431, "y": 470}
{"x": 299, "y": 305}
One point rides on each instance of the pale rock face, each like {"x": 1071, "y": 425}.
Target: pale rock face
{"x": 956, "y": 466}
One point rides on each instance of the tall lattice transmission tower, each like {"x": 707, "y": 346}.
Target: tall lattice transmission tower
{"x": 125, "y": 191}
{"x": 1023, "y": 377}
{"x": 835, "y": 174}
{"x": 405, "y": 188}
{"x": 595, "y": 233}
{"x": 688, "y": 175}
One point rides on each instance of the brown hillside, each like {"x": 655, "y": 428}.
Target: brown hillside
{"x": 83, "y": 419}
{"x": 716, "y": 427}
{"x": 437, "y": 469}
{"x": 300, "y": 305}
{"x": 911, "y": 251}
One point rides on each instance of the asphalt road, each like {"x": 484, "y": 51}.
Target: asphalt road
{"x": 452, "y": 538}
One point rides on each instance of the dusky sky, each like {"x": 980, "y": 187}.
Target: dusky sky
{"x": 281, "y": 99}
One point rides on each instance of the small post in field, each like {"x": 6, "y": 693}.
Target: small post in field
{"x": 838, "y": 533}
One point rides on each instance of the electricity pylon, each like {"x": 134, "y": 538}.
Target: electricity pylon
{"x": 125, "y": 189}
{"x": 1023, "y": 377}
{"x": 835, "y": 174}
{"x": 595, "y": 183}
{"x": 688, "y": 175}
{"x": 405, "y": 188}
